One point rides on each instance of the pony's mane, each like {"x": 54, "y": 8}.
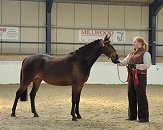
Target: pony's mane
{"x": 86, "y": 48}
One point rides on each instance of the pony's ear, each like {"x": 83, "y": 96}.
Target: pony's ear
{"x": 106, "y": 38}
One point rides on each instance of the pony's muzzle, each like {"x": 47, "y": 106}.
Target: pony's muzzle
{"x": 114, "y": 58}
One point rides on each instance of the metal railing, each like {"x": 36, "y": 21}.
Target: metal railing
{"x": 124, "y": 47}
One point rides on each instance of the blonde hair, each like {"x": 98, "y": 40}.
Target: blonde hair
{"x": 144, "y": 43}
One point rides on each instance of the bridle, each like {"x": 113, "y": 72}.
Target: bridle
{"x": 103, "y": 50}
{"x": 112, "y": 58}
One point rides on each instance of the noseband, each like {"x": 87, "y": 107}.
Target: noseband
{"x": 112, "y": 58}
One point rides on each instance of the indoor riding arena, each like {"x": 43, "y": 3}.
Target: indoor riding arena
{"x": 54, "y": 44}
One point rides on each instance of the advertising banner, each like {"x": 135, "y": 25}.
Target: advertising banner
{"x": 87, "y": 35}
{"x": 9, "y": 33}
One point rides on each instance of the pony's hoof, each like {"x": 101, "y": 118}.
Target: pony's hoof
{"x": 74, "y": 119}
{"x": 79, "y": 116}
{"x": 36, "y": 115}
{"x": 13, "y": 115}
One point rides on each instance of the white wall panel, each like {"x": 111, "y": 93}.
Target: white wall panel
{"x": 130, "y": 36}
{"x": 65, "y": 15}
{"x": 29, "y": 48}
{"x": 54, "y": 39}
{"x": 160, "y": 19}
{"x": 76, "y": 35}
{"x": 144, "y": 34}
{"x": 11, "y": 12}
{"x": 83, "y": 15}
{"x": 120, "y": 50}
{"x": 159, "y": 51}
{"x": 0, "y": 11}
{"x": 76, "y": 47}
{"x": 65, "y": 35}
{"x": 53, "y": 35}
{"x": 29, "y": 13}
{"x": 116, "y": 16}
{"x": 42, "y": 48}
{"x": 29, "y": 34}
{"x": 10, "y": 48}
{"x": 54, "y": 14}
{"x": 133, "y": 17}
{"x": 99, "y": 16}
{"x": 42, "y": 13}
{"x": 54, "y": 49}
{"x": 64, "y": 49}
{"x": 76, "y": 15}
{"x": 128, "y": 49}
{"x": 145, "y": 18}
{"x": 42, "y": 35}
{"x": 160, "y": 37}
{"x": 99, "y": 73}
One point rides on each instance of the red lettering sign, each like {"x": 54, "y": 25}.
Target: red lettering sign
{"x": 2, "y": 29}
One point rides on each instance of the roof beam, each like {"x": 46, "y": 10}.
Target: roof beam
{"x": 156, "y": 5}
{"x": 49, "y": 4}
{"x": 104, "y": 2}
{"x": 154, "y": 8}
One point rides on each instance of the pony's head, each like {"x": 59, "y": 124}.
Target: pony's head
{"x": 108, "y": 49}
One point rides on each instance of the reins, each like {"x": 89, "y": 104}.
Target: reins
{"x": 119, "y": 75}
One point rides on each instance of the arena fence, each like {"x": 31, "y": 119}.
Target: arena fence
{"x": 101, "y": 73}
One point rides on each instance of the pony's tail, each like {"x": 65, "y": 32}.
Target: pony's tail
{"x": 24, "y": 96}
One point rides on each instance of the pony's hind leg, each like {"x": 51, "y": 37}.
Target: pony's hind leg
{"x": 36, "y": 84}
{"x": 21, "y": 93}
{"x": 18, "y": 95}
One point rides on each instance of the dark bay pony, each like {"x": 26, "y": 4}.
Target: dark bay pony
{"x": 73, "y": 69}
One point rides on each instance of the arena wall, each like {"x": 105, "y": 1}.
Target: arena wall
{"x": 101, "y": 73}
{"x": 67, "y": 19}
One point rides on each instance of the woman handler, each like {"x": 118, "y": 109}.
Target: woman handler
{"x": 137, "y": 62}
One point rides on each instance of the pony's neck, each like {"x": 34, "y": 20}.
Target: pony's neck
{"x": 88, "y": 55}
{"x": 92, "y": 55}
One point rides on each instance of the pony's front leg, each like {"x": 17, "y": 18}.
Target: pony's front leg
{"x": 74, "y": 118}
{"x": 78, "y": 101}
{"x": 75, "y": 103}
{"x": 77, "y": 107}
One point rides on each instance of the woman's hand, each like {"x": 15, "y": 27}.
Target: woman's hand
{"x": 116, "y": 61}
{"x": 131, "y": 65}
